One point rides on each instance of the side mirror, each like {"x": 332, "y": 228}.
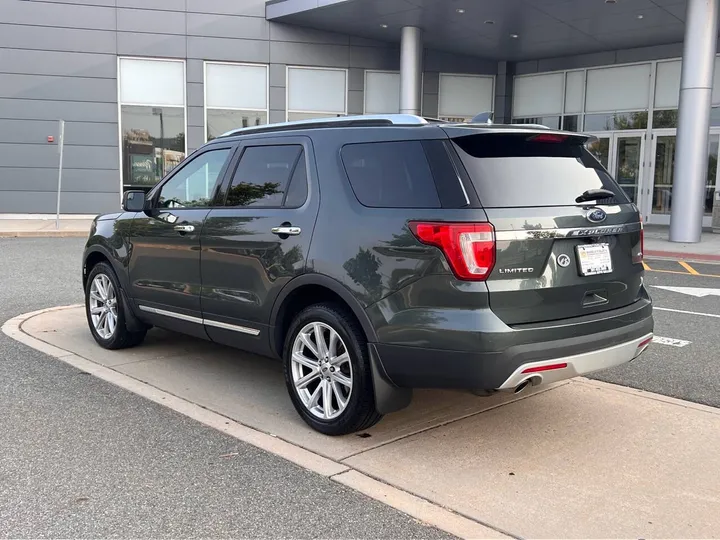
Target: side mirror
{"x": 134, "y": 201}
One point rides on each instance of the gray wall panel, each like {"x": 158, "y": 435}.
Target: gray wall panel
{"x": 151, "y": 21}
{"x": 456, "y": 63}
{"x": 42, "y": 202}
{"x": 252, "y": 8}
{"x": 228, "y": 50}
{"x": 288, "y": 32}
{"x": 386, "y": 58}
{"x": 33, "y": 179}
{"x": 163, "y": 45}
{"x": 70, "y": 64}
{"x": 57, "y": 88}
{"x": 356, "y": 79}
{"x": 47, "y": 38}
{"x": 277, "y": 98}
{"x": 46, "y": 156}
{"x": 167, "y": 5}
{"x": 196, "y": 116}
{"x": 309, "y": 54}
{"x": 674, "y": 50}
{"x": 76, "y": 133}
{"x": 431, "y": 82}
{"x": 195, "y": 94}
{"x": 278, "y": 75}
{"x": 195, "y": 137}
{"x": 430, "y": 105}
{"x": 51, "y": 14}
{"x": 356, "y": 102}
{"x": 195, "y": 71}
{"x": 229, "y": 26}
{"x": 78, "y": 111}
{"x": 277, "y": 116}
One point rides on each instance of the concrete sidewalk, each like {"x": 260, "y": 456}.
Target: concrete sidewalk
{"x": 658, "y": 245}
{"x": 15, "y": 226}
{"x": 581, "y": 459}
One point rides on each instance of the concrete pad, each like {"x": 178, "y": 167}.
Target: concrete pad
{"x": 247, "y": 388}
{"x": 581, "y": 461}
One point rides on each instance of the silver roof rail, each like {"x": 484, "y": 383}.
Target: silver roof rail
{"x": 368, "y": 120}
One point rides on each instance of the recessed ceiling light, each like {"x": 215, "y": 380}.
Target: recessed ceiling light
{"x": 514, "y": 36}
{"x": 611, "y": 1}
{"x": 489, "y": 22}
{"x": 383, "y": 26}
{"x": 460, "y": 10}
{"x": 641, "y": 16}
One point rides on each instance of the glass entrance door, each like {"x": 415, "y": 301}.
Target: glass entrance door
{"x": 663, "y": 170}
{"x": 627, "y": 163}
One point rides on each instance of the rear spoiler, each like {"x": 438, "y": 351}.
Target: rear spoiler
{"x": 549, "y": 135}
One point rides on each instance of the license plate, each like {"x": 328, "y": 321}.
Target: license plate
{"x": 594, "y": 259}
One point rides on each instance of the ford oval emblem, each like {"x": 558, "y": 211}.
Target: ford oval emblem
{"x": 597, "y": 216}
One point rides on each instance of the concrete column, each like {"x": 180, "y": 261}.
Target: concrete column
{"x": 411, "y": 66}
{"x": 688, "y": 194}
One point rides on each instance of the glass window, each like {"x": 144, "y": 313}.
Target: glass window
{"x": 194, "y": 184}
{"x": 390, "y": 175}
{"x": 235, "y": 97}
{"x": 316, "y": 90}
{"x": 221, "y": 121}
{"x": 382, "y": 92}
{"x": 616, "y": 121}
{"x": 538, "y": 95}
{"x": 464, "y": 96}
{"x": 665, "y": 119}
{"x": 511, "y": 171}
{"x": 553, "y": 122}
{"x": 262, "y": 175}
{"x": 295, "y": 116}
{"x": 571, "y": 123}
{"x": 153, "y": 143}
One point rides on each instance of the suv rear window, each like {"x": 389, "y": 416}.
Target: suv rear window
{"x": 513, "y": 170}
{"x": 390, "y": 175}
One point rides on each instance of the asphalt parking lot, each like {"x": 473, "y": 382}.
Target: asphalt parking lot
{"x": 123, "y": 436}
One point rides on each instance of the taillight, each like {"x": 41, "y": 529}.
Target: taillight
{"x": 468, "y": 247}
{"x": 639, "y": 249}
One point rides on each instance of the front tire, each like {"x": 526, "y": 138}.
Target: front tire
{"x": 327, "y": 371}
{"x": 104, "y": 308}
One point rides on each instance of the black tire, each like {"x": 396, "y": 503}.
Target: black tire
{"x": 121, "y": 338}
{"x": 360, "y": 412}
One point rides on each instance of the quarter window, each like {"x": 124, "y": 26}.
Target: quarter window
{"x": 263, "y": 175}
{"x": 390, "y": 175}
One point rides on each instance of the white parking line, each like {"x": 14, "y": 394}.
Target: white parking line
{"x": 687, "y": 312}
{"x": 670, "y": 341}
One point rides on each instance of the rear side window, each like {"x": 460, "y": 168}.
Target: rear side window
{"x": 390, "y": 175}
{"x": 263, "y": 174}
{"x": 515, "y": 170}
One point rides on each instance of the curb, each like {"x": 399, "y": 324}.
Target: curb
{"x": 417, "y": 507}
{"x": 44, "y": 234}
{"x": 699, "y": 257}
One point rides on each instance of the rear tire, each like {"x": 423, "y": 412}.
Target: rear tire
{"x": 105, "y": 310}
{"x": 327, "y": 371}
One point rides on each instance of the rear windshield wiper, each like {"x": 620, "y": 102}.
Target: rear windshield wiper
{"x": 595, "y": 194}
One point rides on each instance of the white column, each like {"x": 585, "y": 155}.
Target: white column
{"x": 691, "y": 153}
{"x": 411, "y": 67}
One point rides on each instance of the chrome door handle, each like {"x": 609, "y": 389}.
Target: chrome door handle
{"x": 290, "y": 231}
{"x": 184, "y": 228}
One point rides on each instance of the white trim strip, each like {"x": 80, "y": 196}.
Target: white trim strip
{"x": 198, "y": 320}
{"x": 233, "y": 327}
{"x": 181, "y": 316}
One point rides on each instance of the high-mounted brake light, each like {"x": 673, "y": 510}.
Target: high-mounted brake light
{"x": 549, "y": 138}
{"x": 468, "y": 247}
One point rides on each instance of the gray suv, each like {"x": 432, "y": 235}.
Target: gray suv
{"x": 378, "y": 254}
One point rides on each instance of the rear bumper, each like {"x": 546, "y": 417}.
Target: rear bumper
{"x": 558, "y": 369}
{"x": 501, "y": 357}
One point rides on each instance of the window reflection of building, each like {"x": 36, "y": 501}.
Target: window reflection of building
{"x": 152, "y": 119}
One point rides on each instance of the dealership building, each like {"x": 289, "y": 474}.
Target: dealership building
{"x": 141, "y": 83}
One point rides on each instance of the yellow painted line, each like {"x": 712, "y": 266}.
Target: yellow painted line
{"x": 689, "y": 268}
{"x": 685, "y": 273}
{"x": 645, "y": 265}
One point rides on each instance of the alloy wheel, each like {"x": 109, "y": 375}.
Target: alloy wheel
{"x": 103, "y": 306}
{"x": 321, "y": 370}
